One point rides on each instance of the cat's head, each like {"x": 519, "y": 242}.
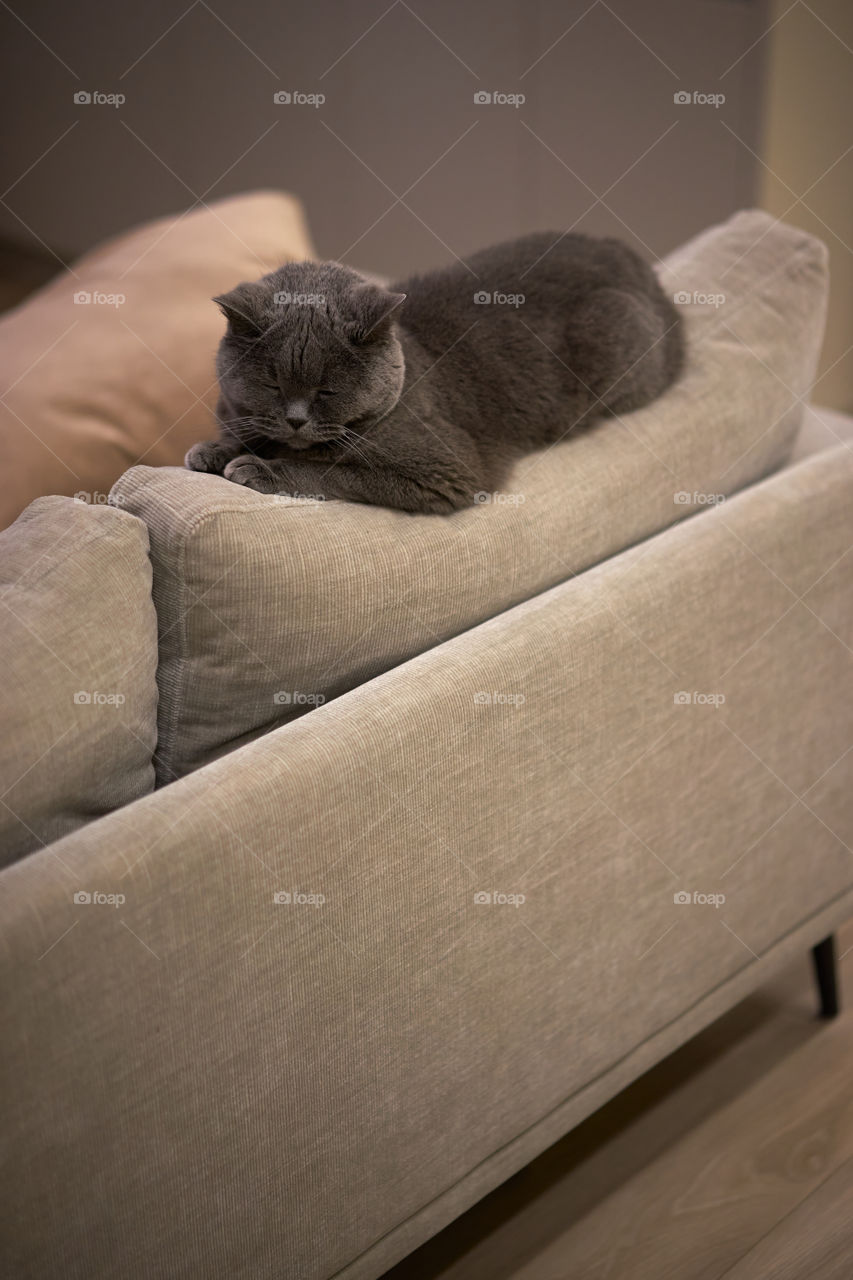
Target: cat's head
{"x": 311, "y": 351}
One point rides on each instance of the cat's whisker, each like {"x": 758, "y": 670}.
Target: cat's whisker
{"x": 365, "y": 441}
{"x": 353, "y": 449}
{"x": 357, "y": 444}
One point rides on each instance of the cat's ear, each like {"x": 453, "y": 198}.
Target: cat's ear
{"x": 372, "y": 309}
{"x": 242, "y": 311}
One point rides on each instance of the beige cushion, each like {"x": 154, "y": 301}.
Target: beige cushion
{"x": 91, "y": 388}
{"x": 269, "y": 605}
{"x": 78, "y": 652}
{"x": 822, "y": 429}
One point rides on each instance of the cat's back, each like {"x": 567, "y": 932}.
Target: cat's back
{"x": 571, "y": 260}
{"x": 544, "y": 267}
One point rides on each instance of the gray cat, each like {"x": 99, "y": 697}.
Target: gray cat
{"x": 421, "y": 396}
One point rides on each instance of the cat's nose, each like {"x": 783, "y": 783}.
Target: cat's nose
{"x": 296, "y": 414}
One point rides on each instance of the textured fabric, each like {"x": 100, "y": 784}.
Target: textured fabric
{"x": 78, "y": 652}
{"x": 269, "y": 606}
{"x": 210, "y": 1082}
{"x": 822, "y": 429}
{"x": 112, "y": 362}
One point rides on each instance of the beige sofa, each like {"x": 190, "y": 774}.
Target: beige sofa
{"x": 412, "y": 840}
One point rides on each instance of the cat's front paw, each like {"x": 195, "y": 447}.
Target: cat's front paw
{"x": 249, "y": 471}
{"x": 209, "y": 455}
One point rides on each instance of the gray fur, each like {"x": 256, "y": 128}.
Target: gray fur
{"x": 418, "y": 397}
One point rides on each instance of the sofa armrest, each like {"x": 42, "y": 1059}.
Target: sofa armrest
{"x": 340, "y": 982}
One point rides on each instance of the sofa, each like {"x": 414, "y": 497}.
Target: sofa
{"x": 351, "y": 857}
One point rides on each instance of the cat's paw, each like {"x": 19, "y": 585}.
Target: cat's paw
{"x": 209, "y": 455}
{"x": 248, "y": 471}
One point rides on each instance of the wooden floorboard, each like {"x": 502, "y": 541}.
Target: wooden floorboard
{"x": 690, "y": 1172}
{"x": 812, "y": 1243}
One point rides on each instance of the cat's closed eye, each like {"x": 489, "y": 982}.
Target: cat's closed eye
{"x": 322, "y": 392}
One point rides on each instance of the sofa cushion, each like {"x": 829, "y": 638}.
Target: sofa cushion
{"x": 112, "y": 363}
{"x": 78, "y": 651}
{"x": 822, "y": 429}
{"x": 270, "y": 605}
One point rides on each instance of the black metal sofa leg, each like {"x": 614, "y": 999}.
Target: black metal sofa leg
{"x": 826, "y": 974}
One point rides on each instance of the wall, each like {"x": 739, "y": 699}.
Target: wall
{"x": 807, "y": 171}
{"x": 399, "y": 168}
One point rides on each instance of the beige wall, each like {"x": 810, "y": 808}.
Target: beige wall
{"x": 808, "y": 126}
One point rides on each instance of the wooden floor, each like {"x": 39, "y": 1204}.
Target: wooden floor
{"x": 733, "y": 1158}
